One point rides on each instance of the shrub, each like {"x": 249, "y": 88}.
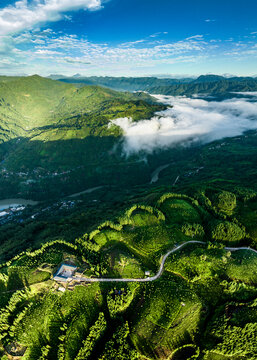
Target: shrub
{"x": 150, "y": 209}
{"x": 193, "y": 230}
{"x": 227, "y": 231}
{"x": 95, "y": 334}
{"x": 225, "y": 201}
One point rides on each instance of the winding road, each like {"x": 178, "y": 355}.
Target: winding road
{"x": 159, "y": 273}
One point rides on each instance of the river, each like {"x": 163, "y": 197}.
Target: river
{"x": 156, "y": 173}
{"x": 88, "y": 191}
{"x": 7, "y": 203}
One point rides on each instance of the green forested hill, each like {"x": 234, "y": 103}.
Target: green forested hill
{"x": 36, "y": 102}
{"x": 29, "y": 102}
{"x": 221, "y": 87}
{"x": 48, "y": 127}
{"x": 55, "y": 141}
{"x": 204, "y": 84}
{"x": 203, "y": 307}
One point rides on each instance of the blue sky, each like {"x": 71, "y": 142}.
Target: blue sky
{"x": 128, "y": 37}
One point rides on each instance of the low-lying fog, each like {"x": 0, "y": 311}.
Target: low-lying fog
{"x": 190, "y": 120}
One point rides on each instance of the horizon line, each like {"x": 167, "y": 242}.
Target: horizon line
{"x": 163, "y": 76}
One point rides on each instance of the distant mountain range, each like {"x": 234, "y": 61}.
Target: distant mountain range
{"x": 204, "y": 84}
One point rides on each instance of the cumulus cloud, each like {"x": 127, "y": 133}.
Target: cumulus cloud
{"x": 24, "y": 14}
{"x": 190, "y": 120}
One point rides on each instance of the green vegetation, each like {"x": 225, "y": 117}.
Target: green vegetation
{"x": 55, "y": 140}
{"x": 227, "y": 231}
{"x": 50, "y": 110}
{"x": 225, "y": 201}
{"x": 68, "y": 146}
{"x": 202, "y": 307}
{"x": 212, "y": 84}
{"x": 95, "y": 334}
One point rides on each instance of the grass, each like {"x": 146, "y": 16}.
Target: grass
{"x": 37, "y": 276}
{"x": 41, "y": 287}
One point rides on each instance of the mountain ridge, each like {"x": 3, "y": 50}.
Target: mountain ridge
{"x": 32, "y": 102}
{"x": 211, "y": 84}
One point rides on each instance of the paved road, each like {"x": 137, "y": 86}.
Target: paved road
{"x": 155, "y": 174}
{"x": 159, "y": 273}
{"x": 176, "y": 180}
{"x": 241, "y": 248}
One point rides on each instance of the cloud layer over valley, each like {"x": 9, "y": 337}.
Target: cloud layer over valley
{"x": 190, "y": 120}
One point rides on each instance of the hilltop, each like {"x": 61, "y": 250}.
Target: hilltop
{"x": 197, "y": 205}
{"x": 203, "y": 306}
{"x": 48, "y": 127}
{"x": 30, "y": 103}
{"x": 56, "y": 140}
{"x": 204, "y": 84}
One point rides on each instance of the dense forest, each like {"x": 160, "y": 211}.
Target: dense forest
{"x": 203, "y": 306}
{"x": 109, "y": 218}
{"x": 56, "y": 137}
{"x": 204, "y": 84}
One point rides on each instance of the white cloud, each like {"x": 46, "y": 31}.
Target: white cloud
{"x": 74, "y": 60}
{"x": 158, "y": 34}
{"x": 137, "y": 54}
{"x": 132, "y": 43}
{"x": 25, "y": 15}
{"x": 247, "y": 93}
{"x": 188, "y": 121}
{"x": 47, "y": 52}
{"x": 197, "y": 37}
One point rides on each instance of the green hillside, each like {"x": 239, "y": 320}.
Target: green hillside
{"x": 49, "y": 127}
{"x": 203, "y": 306}
{"x": 35, "y": 103}
{"x": 187, "y": 243}
{"x": 204, "y": 84}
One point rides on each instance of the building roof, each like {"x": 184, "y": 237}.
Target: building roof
{"x": 65, "y": 272}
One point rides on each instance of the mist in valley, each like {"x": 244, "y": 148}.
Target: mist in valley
{"x": 189, "y": 121}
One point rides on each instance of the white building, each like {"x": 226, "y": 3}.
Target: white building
{"x": 65, "y": 273}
